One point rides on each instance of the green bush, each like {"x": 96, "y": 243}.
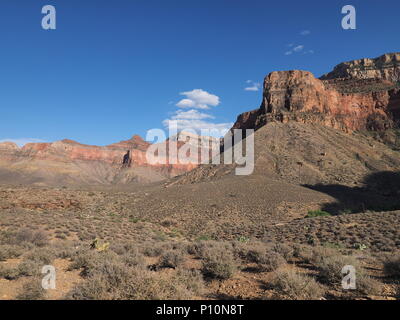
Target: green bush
{"x": 318, "y": 213}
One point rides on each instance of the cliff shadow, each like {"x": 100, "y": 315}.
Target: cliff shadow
{"x": 381, "y": 192}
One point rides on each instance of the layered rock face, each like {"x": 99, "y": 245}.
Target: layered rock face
{"x": 385, "y": 67}
{"x": 68, "y": 150}
{"x": 70, "y": 162}
{"x": 358, "y": 95}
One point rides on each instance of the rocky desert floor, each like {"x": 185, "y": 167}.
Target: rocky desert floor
{"x": 265, "y": 239}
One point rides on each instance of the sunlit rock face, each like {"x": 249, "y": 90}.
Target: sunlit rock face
{"x": 358, "y": 95}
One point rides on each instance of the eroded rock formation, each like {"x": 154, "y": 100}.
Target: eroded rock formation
{"x": 358, "y": 95}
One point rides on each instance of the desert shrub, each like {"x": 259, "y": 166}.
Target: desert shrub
{"x": 152, "y": 250}
{"x": 65, "y": 253}
{"x": 32, "y": 290}
{"x": 63, "y": 249}
{"x": 117, "y": 282}
{"x": 330, "y": 267}
{"x": 8, "y": 273}
{"x": 124, "y": 247}
{"x": 313, "y": 255}
{"x": 26, "y": 268}
{"x": 392, "y": 266}
{"x": 192, "y": 280}
{"x": 292, "y": 285}
{"x": 318, "y": 213}
{"x": 133, "y": 259}
{"x": 218, "y": 263}
{"x": 92, "y": 289}
{"x": 301, "y": 251}
{"x": 38, "y": 238}
{"x": 285, "y": 250}
{"x": 271, "y": 261}
{"x": 245, "y": 251}
{"x": 10, "y": 251}
{"x": 367, "y": 286}
{"x": 263, "y": 255}
{"x": 81, "y": 259}
{"x": 267, "y": 260}
{"x": 90, "y": 261}
{"x": 115, "y": 273}
{"x": 200, "y": 248}
{"x": 317, "y": 254}
{"x": 193, "y": 249}
{"x": 43, "y": 256}
{"x": 29, "y": 268}
{"x": 171, "y": 259}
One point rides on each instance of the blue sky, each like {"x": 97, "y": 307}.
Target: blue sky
{"x": 116, "y": 68}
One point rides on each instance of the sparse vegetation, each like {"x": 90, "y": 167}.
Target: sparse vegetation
{"x": 32, "y": 290}
{"x": 292, "y": 285}
{"x": 10, "y": 252}
{"x": 232, "y": 259}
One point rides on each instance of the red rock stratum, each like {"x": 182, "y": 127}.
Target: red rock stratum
{"x": 358, "y": 95}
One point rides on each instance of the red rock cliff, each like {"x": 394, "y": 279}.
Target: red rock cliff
{"x": 358, "y": 95}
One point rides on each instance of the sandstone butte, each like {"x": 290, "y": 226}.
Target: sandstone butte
{"x": 357, "y": 95}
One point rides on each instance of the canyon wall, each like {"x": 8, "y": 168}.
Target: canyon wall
{"x": 358, "y": 95}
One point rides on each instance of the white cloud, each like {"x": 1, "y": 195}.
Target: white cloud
{"x": 193, "y": 119}
{"x": 255, "y": 86}
{"x": 298, "y": 48}
{"x": 186, "y": 103}
{"x": 198, "y": 99}
{"x": 22, "y": 141}
{"x": 305, "y": 32}
{"x": 191, "y": 115}
{"x": 197, "y": 125}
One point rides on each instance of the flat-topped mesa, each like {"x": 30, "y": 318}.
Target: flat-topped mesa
{"x": 358, "y": 100}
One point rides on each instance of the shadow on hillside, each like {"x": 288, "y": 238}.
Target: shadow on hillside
{"x": 381, "y": 192}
